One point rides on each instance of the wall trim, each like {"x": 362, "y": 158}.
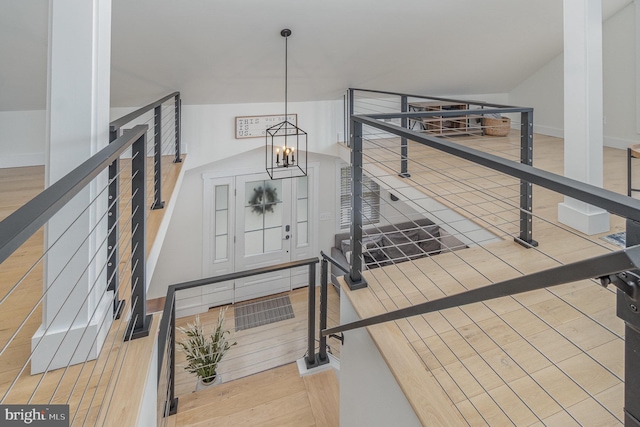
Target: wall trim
{"x": 620, "y": 143}
{"x": 548, "y": 130}
{"x": 21, "y": 160}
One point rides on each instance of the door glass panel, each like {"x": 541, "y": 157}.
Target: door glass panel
{"x": 273, "y": 239}
{"x": 221, "y": 225}
{"x": 302, "y": 187}
{"x": 222, "y": 192}
{"x": 263, "y": 216}
{"x": 222, "y": 222}
{"x": 302, "y": 212}
{"x": 252, "y": 220}
{"x": 273, "y": 218}
{"x": 302, "y": 233}
{"x": 253, "y": 242}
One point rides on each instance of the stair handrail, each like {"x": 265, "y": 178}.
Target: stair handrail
{"x": 435, "y": 98}
{"x": 18, "y": 227}
{"x": 620, "y": 268}
{"x": 166, "y": 334}
{"x": 601, "y": 267}
{"x": 118, "y": 123}
{"x": 618, "y": 204}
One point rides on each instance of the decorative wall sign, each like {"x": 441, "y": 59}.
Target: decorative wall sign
{"x": 256, "y": 126}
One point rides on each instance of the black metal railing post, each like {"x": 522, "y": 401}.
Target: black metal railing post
{"x": 311, "y": 360}
{"x": 167, "y": 347}
{"x": 526, "y": 188}
{"x": 354, "y": 278}
{"x": 113, "y": 227}
{"x": 324, "y": 282}
{"x": 173, "y": 400}
{"x": 157, "y": 159}
{"x": 348, "y": 118}
{"x": 627, "y": 308}
{"x": 404, "y": 148}
{"x": 140, "y": 322}
{"x": 178, "y": 117}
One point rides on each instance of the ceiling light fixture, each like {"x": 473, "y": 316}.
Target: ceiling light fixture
{"x": 285, "y": 142}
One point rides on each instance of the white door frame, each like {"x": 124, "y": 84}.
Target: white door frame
{"x": 211, "y": 267}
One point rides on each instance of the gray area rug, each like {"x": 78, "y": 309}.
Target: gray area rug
{"x": 251, "y": 314}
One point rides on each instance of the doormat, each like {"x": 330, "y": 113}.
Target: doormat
{"x": 252, "y": 314}
{"x": 618, "y": 239}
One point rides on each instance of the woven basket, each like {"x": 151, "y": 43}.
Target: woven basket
{"x": 497, "y": 127}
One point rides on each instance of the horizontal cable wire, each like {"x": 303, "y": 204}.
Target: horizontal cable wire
{"x": 58, "y": 311}
{"x": 115, "y": 298}
{"x": 92, "y": 287}
{"x": 132, "y": 320}
{"x": 116, "y": 337}
{"x": 96, "y": 276}
{"x": 489, "y": 195}
{"x": 53, "y": 245}
{"x": 62, "y": 270}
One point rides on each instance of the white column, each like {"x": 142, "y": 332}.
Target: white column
{"x": 583, "y": 127}
{"x": 76, "y": 313}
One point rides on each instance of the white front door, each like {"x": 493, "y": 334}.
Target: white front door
{"x": 250, "y": 222}
{"x": 263, "y": 233}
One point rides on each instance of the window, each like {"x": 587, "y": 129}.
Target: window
{"x": 370, "y": 199}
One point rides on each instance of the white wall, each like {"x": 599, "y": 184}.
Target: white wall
{"x": 544, "y": 89}
{"x": 148, "y": 415}
{"x": 619, "y": 52}
{"x": 544, "y": 92}
{"x": 181, "y": 256}
{"x": 22, "y": 138}
{"x": 369, "y": 393}
{"x": 209, "y": 130}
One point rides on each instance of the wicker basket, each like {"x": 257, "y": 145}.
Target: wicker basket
{"x": 497, "y": 127}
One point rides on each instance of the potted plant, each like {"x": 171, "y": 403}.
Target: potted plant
{"x": 204, "y": 353}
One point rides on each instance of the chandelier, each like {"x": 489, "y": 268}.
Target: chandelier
{"x": 285, "y": 142}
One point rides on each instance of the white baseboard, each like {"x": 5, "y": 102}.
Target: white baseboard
{"x": 548, "y": 130}
{"x": 62, "y": 346}
{"x": 620, "y": 143}
{"x": 586, "y": 219}
{"x": 608, "y": 141}
{"x": 21, "y": 160}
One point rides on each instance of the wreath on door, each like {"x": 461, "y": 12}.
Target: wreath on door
{"x": 263, "y": 199}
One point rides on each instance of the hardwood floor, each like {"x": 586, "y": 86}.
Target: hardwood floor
{"x": 84, "y": 387}
{"x": 549, "y": 357}
{"x": 546, "y": 357}
{"x": 278, "y": 397}
{"x": 264, "y": 347}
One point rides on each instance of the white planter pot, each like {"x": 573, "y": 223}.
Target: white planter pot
{"x": 201, "y": 385}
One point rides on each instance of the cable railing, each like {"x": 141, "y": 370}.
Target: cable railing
{"x": 479, "y": 189}
{"x": 162, "y": 119}
{"x": 73, "y": 268}
{"x": 168, "y": 396}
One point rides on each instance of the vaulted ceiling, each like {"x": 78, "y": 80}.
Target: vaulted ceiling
{"x": 231, "y": 51}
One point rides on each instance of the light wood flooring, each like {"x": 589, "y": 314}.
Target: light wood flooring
{"x": 84, "y": 387}
{"x": 278, "y": 397}
{"x": 550, "y": 357}
{"x": 264, "y": 347}
{"x": 547, "y": 357}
